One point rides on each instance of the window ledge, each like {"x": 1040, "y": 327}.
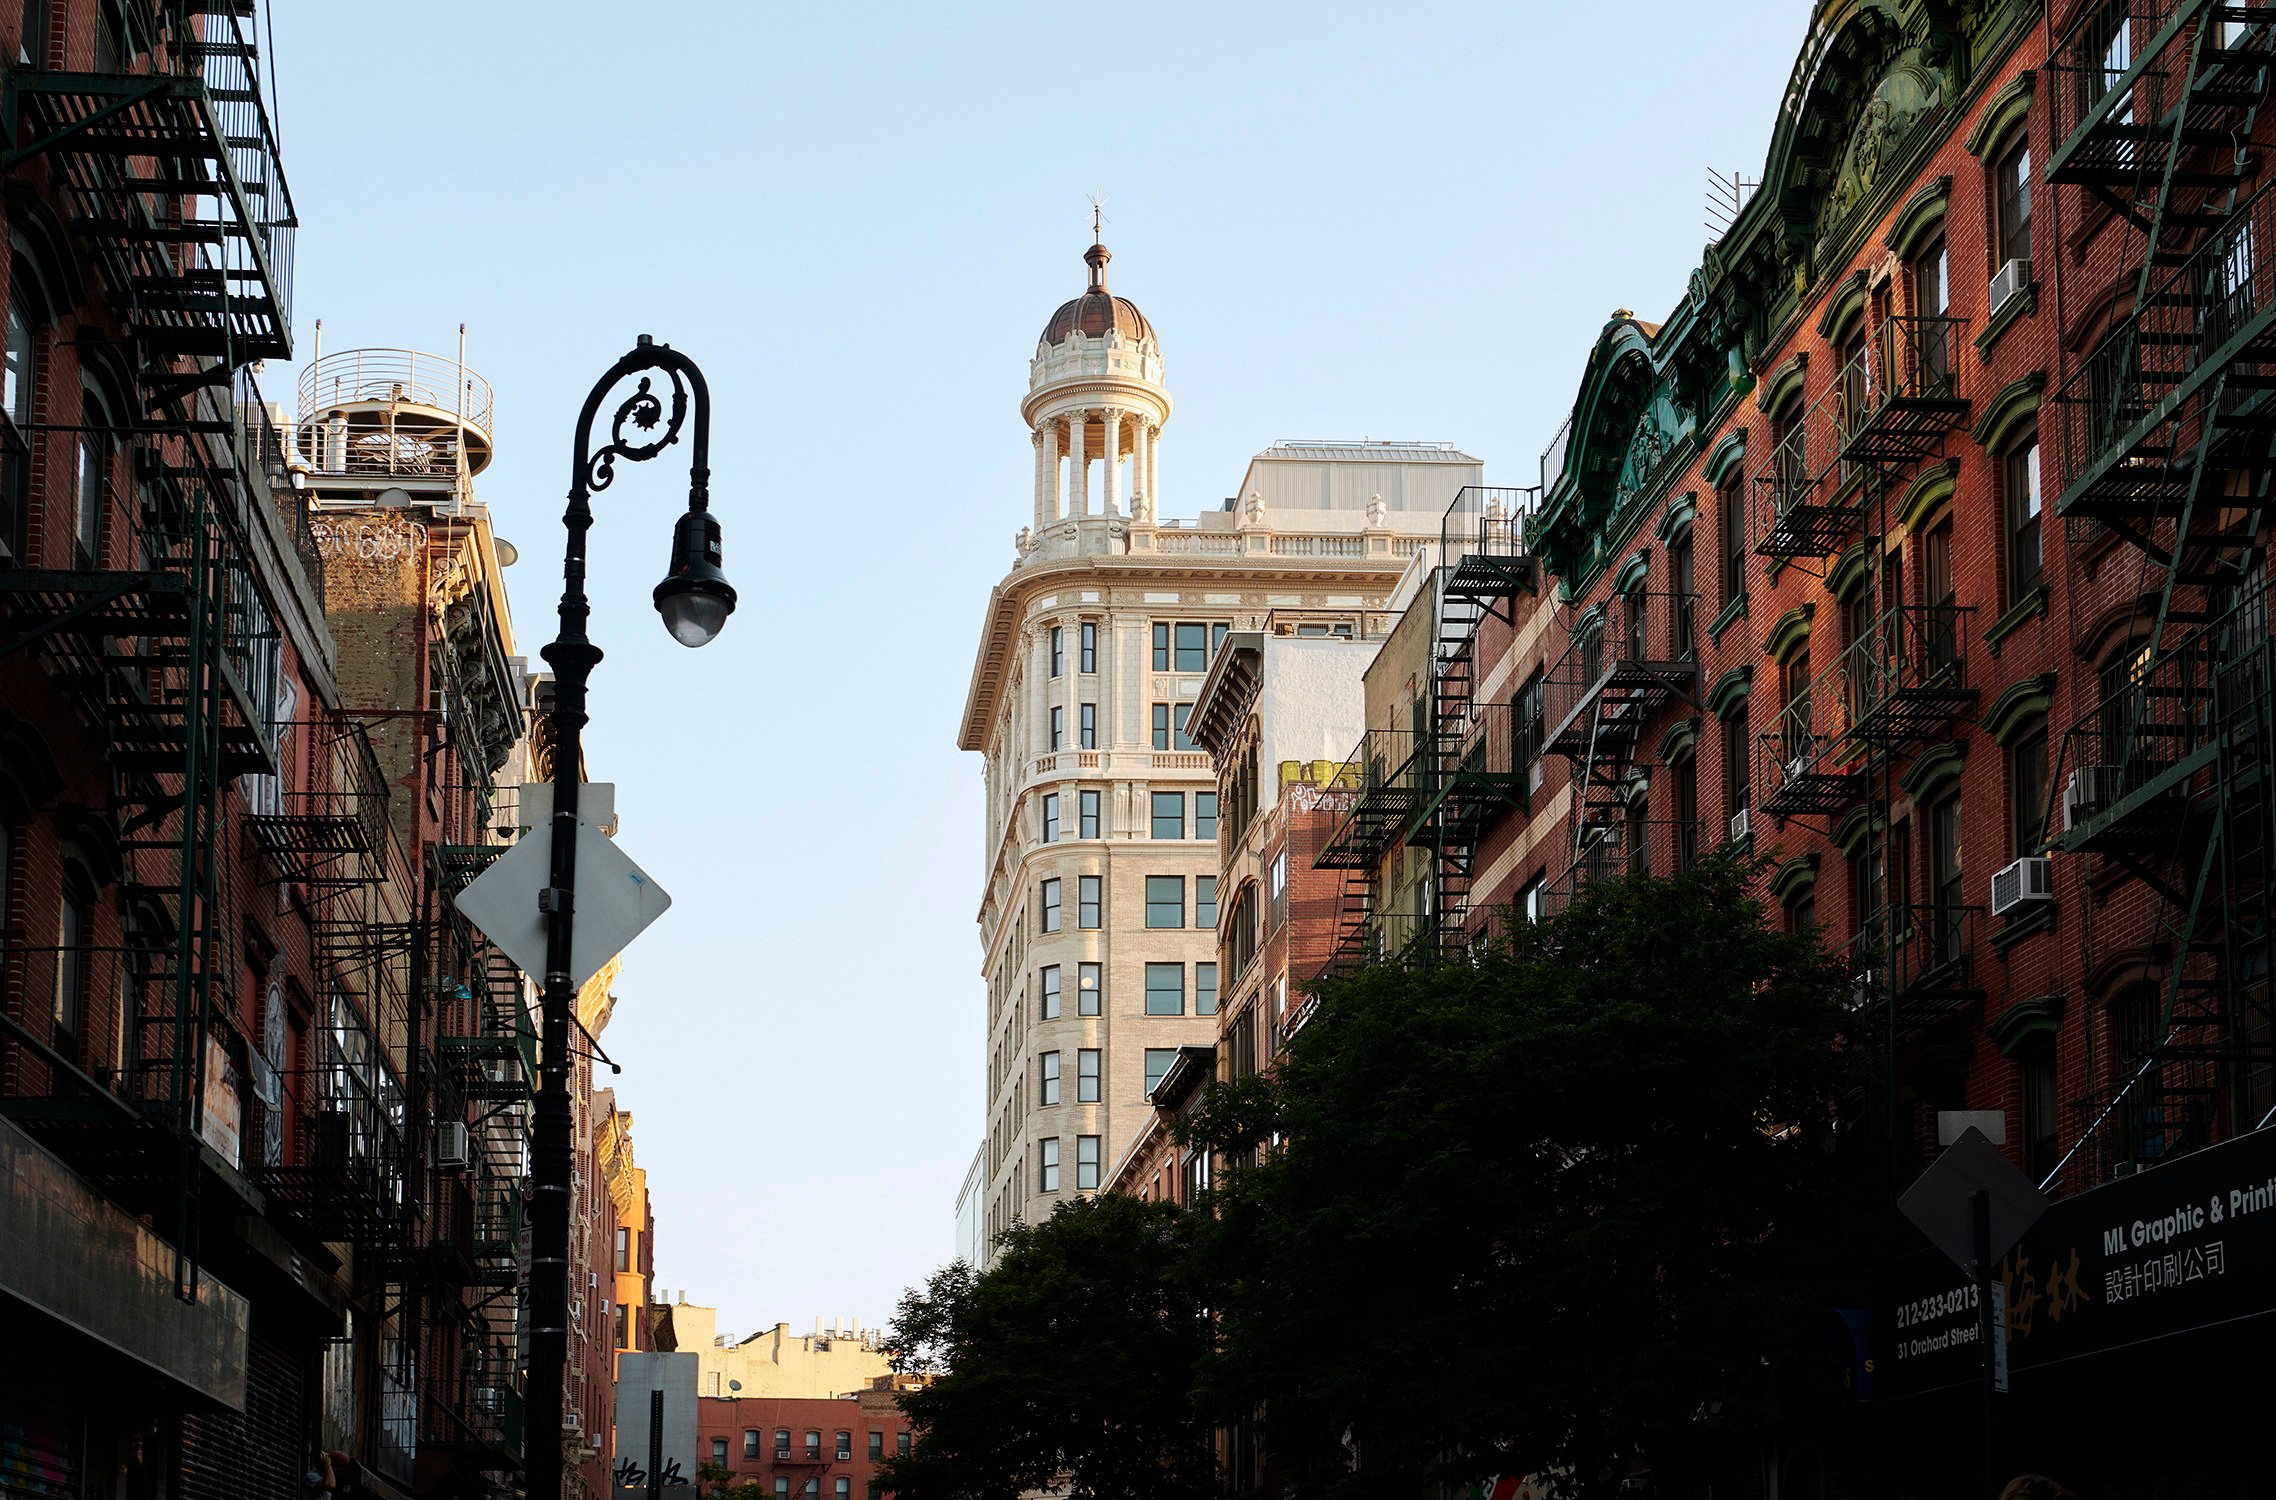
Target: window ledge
{"x": 2030, "y": 607}
{"x": 2040, "y": 918}
{"x": 2022, "y": 305}
{"x": 1733, "y": 612}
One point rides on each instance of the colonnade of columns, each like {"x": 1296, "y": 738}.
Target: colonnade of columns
{"x": 1063, "y": 488}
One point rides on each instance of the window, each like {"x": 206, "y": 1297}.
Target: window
{"x": 813, "y": 1446}
{"x": 1047, "y": 987}
{"x": 1088, "y": 894}
{"x": 624, "y": 1249}
{"x": 1165, "y": 901}
{"x": 1050, "y": 906}
{"x": 1058, "y": 650}
{"x": 2025, "y": 564}
{"x": 845, "y": 1450}
{"x": 1192, "y": 647}
{"x": 751, "y": 1442}
{"x": 1533, "y": 902}
{"x": 877, "y": 1439}
{"x": 1931, "y": 360}
{"x": 782, "y": 1442}
{"x": 1058, "y": 726}
{"x": 1276, "y": 886}
{"x": 94, "y": 478}
{"x": 1051, "y": 817}
{"x": 1205, "y": 989}
{"x": 1086, "y": 805}
{"x": 1683, "y": 601}
{"x": 1205, "y": 901}
{"x": 1086, "y": 1076}
{"x": 1738, "y": 783}
{"x": 1086, "y": 727}
{"x": 782, "y": 1481}
{"x": 1087, "y": 989}
{"x": 1086, "y": 1161}
{"x": 1165, "y": 989}
{"x": 1526, "y": 720}
{"x": 1937, "y": 591}
{"x": 624, "y": 1341}
{"x": 1685, "y": 797}
{"x": 842, "y": 1487}
{"x": 901, "y": 1443}
{"x": 1731, "y": 532}
{"x": 75, "y": 931}
{"x": 1161, "y": 647}
{"x": 1088, "y": 661}
{"x": 1205, "y": 815}
{"x": 1945, "y": 889}
{"x": 1794, "y": 688}
{"x": 1169, "y": 727}
{"x": 2013, "y": 202}
{"x": 1047, "y": 1078}
{"x": 719, "y": 1451}
{"x": 1047, "y": 1164}
{"x": 1158, "y": 1060}
{"x": 1169, "y": 815}
{"x": 2027, "y": 791}
{"x": 16, "y": 386}
{"x": 2042, "y": 1141}
{"x": 813, "y": 1487}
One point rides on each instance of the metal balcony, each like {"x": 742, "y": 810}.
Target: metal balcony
{"x": 1806, "y": 501}
{"x": 1385, "y": 777}
{"x": 2136, "y": 85}
{"x": 1607, "y": 685}
{"x": 1916, "y": 398}
{"x": 1920, "y": 958}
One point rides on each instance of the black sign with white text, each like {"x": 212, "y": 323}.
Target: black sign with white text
{"x": 2182, "y": 1246}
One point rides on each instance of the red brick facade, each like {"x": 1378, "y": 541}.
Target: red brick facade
{"x": 805, "y": 1449}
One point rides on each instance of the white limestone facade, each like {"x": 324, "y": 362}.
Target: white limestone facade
{"x": 1092, "y": 648}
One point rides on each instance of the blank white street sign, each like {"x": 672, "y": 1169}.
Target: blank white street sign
{"x": 615, "y": 902}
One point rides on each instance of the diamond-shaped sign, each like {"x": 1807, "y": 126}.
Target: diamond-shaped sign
{"x": 615, "y": 902}
{"x": 1942, "y": 1201}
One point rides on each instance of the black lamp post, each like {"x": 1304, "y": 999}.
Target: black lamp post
{"x": 694, "y": 600}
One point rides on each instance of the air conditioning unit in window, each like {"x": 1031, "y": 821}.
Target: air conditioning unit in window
{"x": 2010, "y": 279}
{"x": 451, "y": 1144}
{"x": 572, "y": 1421}
{"x": 1739, "y": 825}
{"x": 1796, "y": 766}
{"x": 2029, "y": 879}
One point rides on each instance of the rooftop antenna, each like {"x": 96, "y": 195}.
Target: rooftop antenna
{"x": 1098, "y": 217}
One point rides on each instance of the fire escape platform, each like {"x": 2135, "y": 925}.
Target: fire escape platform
{"x": 1906, "y": 429}
{"x": 1619, "y": 702}
{"x": 202, "y": 284}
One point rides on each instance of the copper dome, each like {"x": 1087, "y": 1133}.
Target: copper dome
{"x": 1097, "y": 310}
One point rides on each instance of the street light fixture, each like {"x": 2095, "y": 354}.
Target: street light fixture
{"x": 695, "y": 600}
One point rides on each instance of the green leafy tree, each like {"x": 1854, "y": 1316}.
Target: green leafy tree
{"x": 1540, "y": 1211}
{"x": 1070, "y": 1363}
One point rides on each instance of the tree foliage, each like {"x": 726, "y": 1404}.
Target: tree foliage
{"x": 1070, "y": 1363}
{"x": 1534, "y": 1210}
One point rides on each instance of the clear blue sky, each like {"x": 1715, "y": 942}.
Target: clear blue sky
{"x": 1345, "y": 220}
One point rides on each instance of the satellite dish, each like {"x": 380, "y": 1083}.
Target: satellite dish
{"x": 394, "y": 496}
{"x": 508, "y": 553}
{"x": 734, "y": 1385}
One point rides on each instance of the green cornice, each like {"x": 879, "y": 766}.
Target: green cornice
{"x": 1922, "y": 214}
{"x": 2005, "y": 414}
{"x": 1680, "y": 513}
{"x": 1937, "y": 765}
{"x": 1730, "y": 690}
{"x": 2024, "y": 1021}
{"x": 1930, "y": 489}
{"x": 1729, "y": 615}
{"x": 1789, "y": 634}
{"x": 1784, "y": 382}
{"x": 1724, "y": 456}
{"x": 1850, "y": 833}
{"x": 1845, "y": 302}
{"x": 1849, "y": 572}
{"x": 2007, "y": 107}
{"x": 1791, "y": 879}
{"x": 1681, "y": 739}
{"x": 1633, "y": 571}
{"x": 2014, "y": 709}
{"x": 1589, "y": 621}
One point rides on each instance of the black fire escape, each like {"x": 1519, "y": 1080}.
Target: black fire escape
{"x": 2164, "y": 445}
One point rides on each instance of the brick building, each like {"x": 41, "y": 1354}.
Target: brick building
{"x": 805, "y": 1448}
{"x": 1923, "y": 548}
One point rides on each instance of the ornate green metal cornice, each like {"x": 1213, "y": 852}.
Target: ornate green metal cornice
{"x": 2023, "y": 702}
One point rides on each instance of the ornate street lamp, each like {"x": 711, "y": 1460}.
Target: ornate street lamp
{"x": 695, "y": 600}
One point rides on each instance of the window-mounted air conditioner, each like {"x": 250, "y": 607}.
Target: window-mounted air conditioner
{"x": 1740, "y": 827}
{"x": 2031, "y": 878}
{"x": 572, "y": 1421}
{"x": 490, "y": 1398}
{"x": 2008, "y": 281}
{"x": 1796, "y": 766}
{"x": 2086, "y": 793}
{"x": 451, "y": 1144}
{"x": 592, "y": 1278}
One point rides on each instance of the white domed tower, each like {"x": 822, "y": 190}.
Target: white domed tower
{"x": 1095, "y": 398}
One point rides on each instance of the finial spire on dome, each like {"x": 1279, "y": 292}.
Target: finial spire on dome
{"x": 1097, "y": 256}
